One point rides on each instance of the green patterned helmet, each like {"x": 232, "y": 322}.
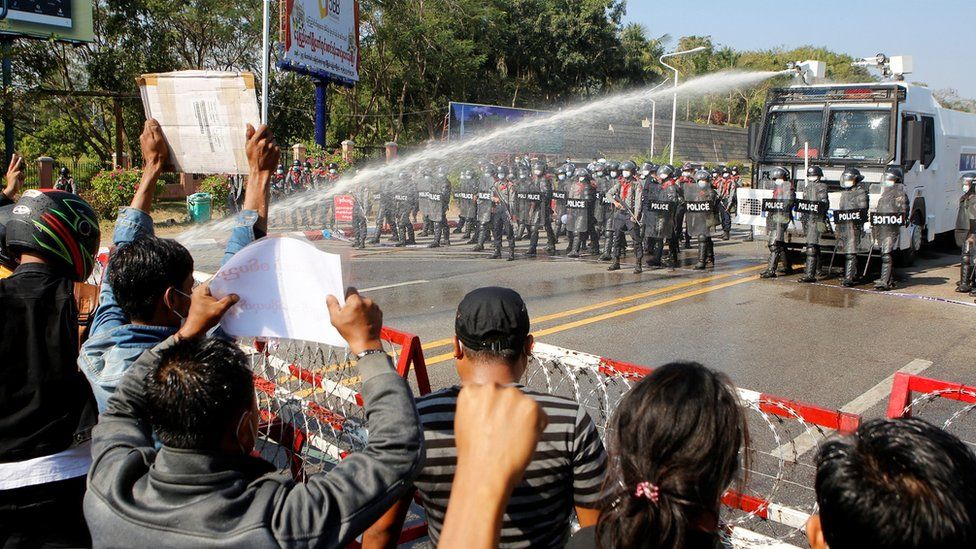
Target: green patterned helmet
{"x": 57, "y": 225}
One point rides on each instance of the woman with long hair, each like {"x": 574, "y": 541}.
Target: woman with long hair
{"x": 674, "y": 450}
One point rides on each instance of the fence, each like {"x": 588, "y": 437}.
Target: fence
{"x": 946, "y": 404}
{"x": 82, "y": 170}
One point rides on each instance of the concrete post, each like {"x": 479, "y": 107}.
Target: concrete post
{"x": 45, "y": 172}
{"x": 299, "y": 150}
{"x": 391, "y": 151}
{"x": 348, "y": 148}
{"x": 123, "y": 162}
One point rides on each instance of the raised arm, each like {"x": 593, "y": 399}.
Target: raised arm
{"x": 262, "y": 160}
{"x": 155, "y": 153}
{"x": 15, "y": 180}
{"x": 336, "y": 507}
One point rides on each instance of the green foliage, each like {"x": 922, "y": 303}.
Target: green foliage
{"x": 216, "y": 187}
{"x": 111, "y": 190}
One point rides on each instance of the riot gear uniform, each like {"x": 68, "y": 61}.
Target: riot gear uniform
{"x": 603, "y": 210}
{"x": 779, "y": 214}
{"x": 626, "y": 195}
{"x": 467, "y": 201}
{"x": 686, "y": 178}
{"x": 486, "y": 206}
{"x": 849, "y": 221}
{"x": 661, "y": 199}
{"x": 404, "y": 203}
{"x": 701, "y": 207}
{"x": 564, "y": 177}
{"x": 727, "y": 190}
{"x": 579, "y": 198}
{"x": 811, "y": 210}
{"x": 966, "y": 231}
{"x": 440, "y": 198}
{"x": 362, "y": 198}
{"x": 65, "y": 182}
{"x": 386, "y": 212}
{"x": 503, "y": 218}
{"x": 886, "y": 223}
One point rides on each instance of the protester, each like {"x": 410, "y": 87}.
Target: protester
{"x": 496, "y": 431}
{"x": 899, "y": 483}
{"x": 46, "y": 407}
{"x": 492, "y": 345}
{"x": 14, "y": 181}
{"x": 146, "y": 292}
{"x": 203, "y": 487}
{"x": 675, "y": 450}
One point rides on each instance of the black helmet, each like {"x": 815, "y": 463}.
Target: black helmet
{"x": 403, "y": 175}
{"x": 598, "y": 167}
{"x": 725, "y": 170}
{"x": 561, "y": 170}
{"x": 296, "y": 164}
{"x": 58, "y": 225}
{"x": 703, "y": 175}
{"x": 613, "y": 166}
{"x": 280, "y": 169}
{"x": 6, "y": 258}
{"x": 779, "y": 172}
{"x": 894, "y": 175}
{"x": 735, "y": 170}
{"x": 64, "y": 171}
{"x": 814, "y": 171}
{"x": 686, "y": 168}
{"x": 539, "y": 167}
{"x": 308, "y": 165}
{"x": 665, "y": 172}
{"x": 333, "y": 166}
{"x": 581, "y": 173}
{"x": 628, "y": 166}
{"x": 852, "y": 176}
{"x": 968, "y": 179}
{"x": 647, "y": 169}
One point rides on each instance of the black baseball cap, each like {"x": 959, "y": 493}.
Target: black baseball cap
{"x": 492, "y": 318}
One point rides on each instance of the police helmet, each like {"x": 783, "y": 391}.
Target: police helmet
{"x": 851, "y": 177}
{"x": 665, "y": 172}
{"x": 894, "y": 175}
{"x": 814, "y": 171}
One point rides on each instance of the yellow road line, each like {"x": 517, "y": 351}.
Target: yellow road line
{"x": 612, "y": 314}
{"x": 617, "y": 301}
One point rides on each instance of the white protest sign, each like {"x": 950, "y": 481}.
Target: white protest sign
{"x": 282, "y": 283}
{"x": 204, "y": 117}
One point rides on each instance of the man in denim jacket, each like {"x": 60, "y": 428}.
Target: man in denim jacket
{"x": 146, "y": 291}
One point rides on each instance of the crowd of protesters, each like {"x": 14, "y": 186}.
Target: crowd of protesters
{"x": 144, "y": 434}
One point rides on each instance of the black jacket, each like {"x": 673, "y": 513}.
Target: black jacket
{"x": 138, "y": 497}
{"x": 46, "y": 405}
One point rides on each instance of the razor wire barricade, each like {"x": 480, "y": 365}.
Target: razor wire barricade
{"x": 309, "y": 399}
{"x": 945, "y": 404}
{"x": 774, "y": 499}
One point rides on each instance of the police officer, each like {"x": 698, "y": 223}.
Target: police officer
{"x": 466, "y": 198}
{"x": 660, "y": 204}
{"x": 727, "y": 190}
{"x": 278, "y": 183}
{"x": 404, "y": 203}
{"x": 534, "y": 196}
{"x": 686, "y": 179}
{"x": 65, "y": 182}
{"x": 604, "y": 207}
{"x": 966, "y": 231}
{"x": 779, "y": 214}
{"x": 849, "y": 220}
{"x": 564, "y": 176}
{"x": 579, "y": 198}
{"x": 626, "y": 195}
{"x": 812, "y": 213}
{"x": 440, "y": 198}
{"x": 386, "y": 212}
{"x": 701, "y": 209}
{"x": 502, "y": 216}
{"x": 425, "y": 184}
{"x": 486, "y": 206}
{"x": 889, "y": 217}
{"x": 362, "y": 200}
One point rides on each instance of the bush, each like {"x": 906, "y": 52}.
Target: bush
{"x": 111, "y": 190}
{"x": 216, "y": 186}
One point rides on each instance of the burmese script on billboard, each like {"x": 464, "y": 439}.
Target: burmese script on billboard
{"x": 321, "y": 38}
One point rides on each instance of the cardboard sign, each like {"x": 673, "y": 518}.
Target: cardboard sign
{"x": 850, "y": 216}
{"x": 699, "y": 206}
{"x": 344, "y": 205}
{"x": 204, "y": 117}
{"x": 888, "y": 219}
{"x": 282, "y": 284}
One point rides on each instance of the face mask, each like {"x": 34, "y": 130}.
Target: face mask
{"x": 626, "y": 174}
{"x": 174, "y": 311}
{"x": 965, "y": 188}
{"x": 613, "y": 174}
{"x": 538, "y": 172}
{"x": 561, "y": 177}
{"x": 599, "y": 174}
{"x": 703, "y": 183}
{"x": 815, "y": 179}
{"x": 582, "y": 180}
{"x": 332, "y": 171}
{"x": 645, "y": 173}
{"x": 778, "y": 181}
{"x": 847, "y": 183}
{"x": 888, "y": 184}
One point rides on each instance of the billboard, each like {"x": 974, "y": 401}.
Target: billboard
{"x": 321, "y": 38}
{"x": 471, "y": 119}
{"x": 64, "y": 20}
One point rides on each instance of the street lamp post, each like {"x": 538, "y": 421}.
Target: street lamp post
{"x": 654, "y": 113}
{"x": 674, "y": 105}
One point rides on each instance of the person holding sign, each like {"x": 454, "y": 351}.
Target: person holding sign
{"x": 966, "y": 231}
{"x": 887, "y": 221}
{"x": 701, "y": 215}
{"x": 812, "y": 210}
{"x": 779, "y": 214}
{"x": 850, "y": 220}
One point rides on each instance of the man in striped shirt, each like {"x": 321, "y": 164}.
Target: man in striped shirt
{"x": 492, "y": 345}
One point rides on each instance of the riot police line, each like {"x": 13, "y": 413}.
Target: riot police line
{"x": 598, "y": 207}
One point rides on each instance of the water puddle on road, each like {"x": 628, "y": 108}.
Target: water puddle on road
{"x": 823, "y": 295}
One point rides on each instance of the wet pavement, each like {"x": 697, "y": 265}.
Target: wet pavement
{"x": 820, "y": 343}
